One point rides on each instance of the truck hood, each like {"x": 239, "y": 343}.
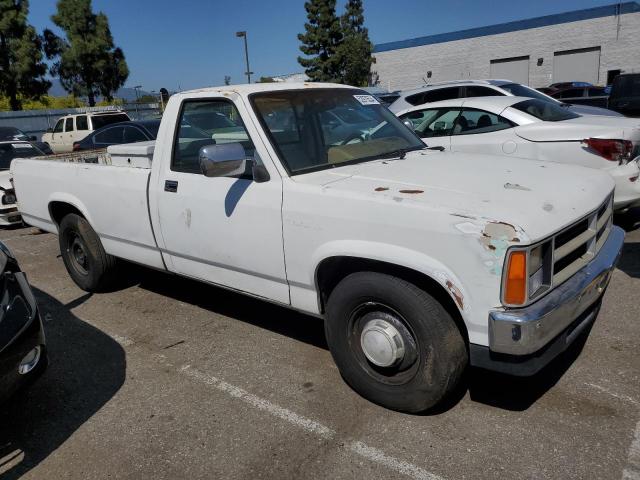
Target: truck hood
{"x": 537, "y": 198}
{"x": 580, "y": 128}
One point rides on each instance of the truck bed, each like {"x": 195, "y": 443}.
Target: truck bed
{"x": 112, "y": 198}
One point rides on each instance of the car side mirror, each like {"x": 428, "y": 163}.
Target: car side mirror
{"x": 49, "y": 130}
{"x": 33, "y": 138}
{"x": 223, "y": 160}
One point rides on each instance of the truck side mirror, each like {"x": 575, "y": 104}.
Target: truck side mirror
{"x": 223, "y": 160}
{"x": 49, "y": 130}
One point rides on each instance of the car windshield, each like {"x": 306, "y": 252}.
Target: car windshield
{"x": 152, "y": 126}
{"x": 11, "y": 133}
{"x": 301, "y": 125}
{"x": 9, "y": 151}
{"x": 518, "y": 90}
{"x": 544, "y": 110}
{"x": 100, "y": 121}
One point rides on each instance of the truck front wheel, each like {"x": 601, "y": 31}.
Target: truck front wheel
{"x": 90, "y": 267}
{"x": 393, "y": 342}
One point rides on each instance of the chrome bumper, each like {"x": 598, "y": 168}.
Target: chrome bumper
{"x": 526, "y": 330}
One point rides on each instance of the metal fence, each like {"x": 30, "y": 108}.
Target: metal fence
{"x": 36, "y": 122}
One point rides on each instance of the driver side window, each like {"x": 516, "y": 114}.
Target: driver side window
{"x": 433, "y": 122}
{"x": 58, "y": 127}
{"x": 203, "y": 123}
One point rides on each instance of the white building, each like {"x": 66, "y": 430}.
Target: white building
{"x": 591, "y": 45}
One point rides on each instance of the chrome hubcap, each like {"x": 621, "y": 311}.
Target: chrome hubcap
{"x": 382, "y": 343}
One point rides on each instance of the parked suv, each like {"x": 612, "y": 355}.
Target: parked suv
{"x": 73, "y": 128}
{"x": 480, "y": 88}
{"x": 625, "y": 94}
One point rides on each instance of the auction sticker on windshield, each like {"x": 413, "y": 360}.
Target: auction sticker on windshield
{"x": 366, "y": 100}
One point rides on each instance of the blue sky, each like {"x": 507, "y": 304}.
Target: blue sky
{"x": 191, "y": 43}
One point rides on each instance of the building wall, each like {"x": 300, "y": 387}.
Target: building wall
{"x": 470, "y": 58}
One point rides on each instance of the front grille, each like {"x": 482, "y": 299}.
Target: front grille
{"x": 576, "y": 245}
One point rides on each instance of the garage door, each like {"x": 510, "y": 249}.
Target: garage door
{"x": 580, "y": 65}
{"x": 515, "y": 69}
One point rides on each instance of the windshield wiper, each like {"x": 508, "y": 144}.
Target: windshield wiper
{"x": 400, "y": 153}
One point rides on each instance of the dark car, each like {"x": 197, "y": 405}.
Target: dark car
{"x": 625, "y": 94}
{"x": 12, "y": 133}
{"x": 591, "y": 95}
{"x": 117, "y": 133}
{"x": 562, "y": 85}
{"x": 23, "y": 353}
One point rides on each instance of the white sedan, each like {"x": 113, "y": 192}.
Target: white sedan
{"x": 533, "y": 129}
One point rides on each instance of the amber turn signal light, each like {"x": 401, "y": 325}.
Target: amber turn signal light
{"x": 515, "y": 288}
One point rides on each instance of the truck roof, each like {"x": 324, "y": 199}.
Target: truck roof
{"x": 246, "y": 89}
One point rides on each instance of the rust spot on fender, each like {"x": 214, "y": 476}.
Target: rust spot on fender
{"x": 412, "y": 191}
{"x": 457, "y": 295}
{"x": 381, "y": 189}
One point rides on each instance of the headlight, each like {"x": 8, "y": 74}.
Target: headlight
{"x": 9, "y": 199}
{"x": 527, "y": 274}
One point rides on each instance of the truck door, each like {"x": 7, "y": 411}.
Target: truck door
{"x": 56, "y": 136}
{"x": 223, "y": 230}
{"x": 67, "y": 139}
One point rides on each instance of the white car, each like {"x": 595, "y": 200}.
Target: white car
{"x": 73, "y": 128}
{"x": 9, "y": 150}
{"x": 535, "y": 129}
{"x": 437, "y": 92}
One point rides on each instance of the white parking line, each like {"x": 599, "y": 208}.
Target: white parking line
{"x": 626, "y": 398}
{"x": 632, "y": 472}
{"x": 360, "y": 448}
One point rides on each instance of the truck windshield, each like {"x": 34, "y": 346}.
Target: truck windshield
{"x": 314, "y": 129}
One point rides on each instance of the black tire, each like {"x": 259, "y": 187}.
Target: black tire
{"x": 90, "y": 267}
{"x": 435, "y": 356}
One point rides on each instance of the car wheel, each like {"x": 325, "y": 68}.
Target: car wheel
{"x": 394, "y": 343}
{"x": 90, "y": 267}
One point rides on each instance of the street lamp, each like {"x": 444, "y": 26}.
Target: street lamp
{"x": 246, "y": 54}
{"x": 135, "y": 89}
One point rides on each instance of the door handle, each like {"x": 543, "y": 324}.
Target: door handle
{"x": 171, "y": 186}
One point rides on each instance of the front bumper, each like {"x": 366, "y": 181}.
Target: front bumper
{"x": 9, "y": 215}
{"x": 522, "y": 341}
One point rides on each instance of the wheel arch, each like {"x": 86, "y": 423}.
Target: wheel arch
{"x": 59, "y": 207}
{"x": 331, "y": 270}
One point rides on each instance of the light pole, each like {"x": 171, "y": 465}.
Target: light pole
{"x": 135, "y": 89}
{"x": 246, "y": 54}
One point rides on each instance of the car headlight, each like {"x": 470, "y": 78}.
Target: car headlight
{"x": 527, "y": 274}
{"x": 9, "y": 198}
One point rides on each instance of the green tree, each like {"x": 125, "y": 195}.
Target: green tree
{"x": 354, "y": 52}
{"x": 87, "y": 61}
{"x": 265, "y": 80}
{"x": 320, "y": 41}
{"x": 21, "y": 67}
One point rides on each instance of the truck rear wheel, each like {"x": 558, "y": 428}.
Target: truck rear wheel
{"x": 90, "y": 267}
{"x": 394, "y": 343}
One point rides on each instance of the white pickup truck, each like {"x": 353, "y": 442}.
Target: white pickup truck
{"x": 420, "y": 262}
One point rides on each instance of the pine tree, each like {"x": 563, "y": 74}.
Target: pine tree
{"x": 88, "y": 63}
{"x": 355, "y": 50}
{"x": 320, "y": 41}
{"x": 21, "y": 68}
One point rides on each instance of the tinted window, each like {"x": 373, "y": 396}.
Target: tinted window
{"x": 68, "y": 125}
{"x": 476, "y": 91}
{"x": 570, "y": 93}
{"x": 306, "y": 143}
{"x": 473, "y": 121}
{"x": 152, "y": 127}
{"x": 109, "y": 136}
{"x": 10, "y": 133}
{"x": 626, "y": 86}
{"x": 9, "y": 151}
{"x": 204, "y": 123}
{"x": 436, "y": 95}
{"x": 596, "y": 92}
{"x": 133, "y": 134}
{"x": 545, "y": 111}
{"x": 58, "y": 127}
{"x": 518, "y": 90}
{"x": 81, "y": 123}
{"x": 433, "y": 122}
{"x": 100, "y": 121}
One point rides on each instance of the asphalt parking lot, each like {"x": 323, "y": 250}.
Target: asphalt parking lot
{"x": 171, "y": 379}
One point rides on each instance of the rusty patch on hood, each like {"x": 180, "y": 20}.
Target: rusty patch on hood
{"x": 515, "y": 186}
{"x": 500, "y": 230}
{"x": 381, "y": 189}
{"x": 412, "y": 191}
{"x": 457, "y": 295}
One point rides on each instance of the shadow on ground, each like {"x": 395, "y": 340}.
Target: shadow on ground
{"x": 86, "y": 369}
